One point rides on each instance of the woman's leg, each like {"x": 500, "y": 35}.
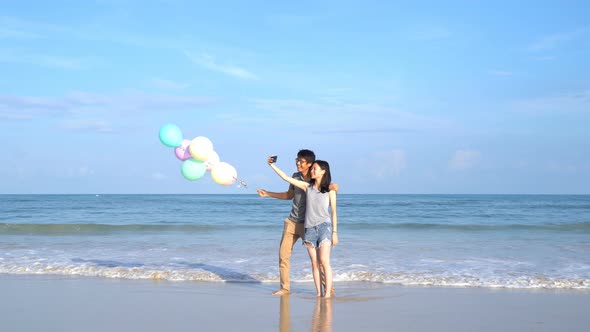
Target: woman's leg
{"x": 324, "y": 260}
{"x": 313, "y": 256}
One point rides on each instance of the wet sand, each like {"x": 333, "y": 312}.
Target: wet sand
{"x": 46, "y": 303}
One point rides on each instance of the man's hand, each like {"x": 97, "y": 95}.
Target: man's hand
{"x": 262, "y": 193}
{"x": 333, "y": 186}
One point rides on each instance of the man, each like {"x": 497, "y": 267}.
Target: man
{"x": 293, "y": 228}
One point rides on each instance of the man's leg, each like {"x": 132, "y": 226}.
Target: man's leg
{"x": 286, "y": 248}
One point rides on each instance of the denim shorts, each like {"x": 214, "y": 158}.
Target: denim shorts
{"x": 315, "y": 235}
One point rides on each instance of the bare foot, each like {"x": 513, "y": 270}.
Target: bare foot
{"x": 324, "y": 289}
{"x": 281, "y": 292}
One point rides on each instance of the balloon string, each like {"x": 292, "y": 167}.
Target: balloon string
{"x": 241, "y": 182}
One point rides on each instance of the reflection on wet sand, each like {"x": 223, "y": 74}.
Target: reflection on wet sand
{"x": 322, "y": 315}
{"x": 285, "y": 314}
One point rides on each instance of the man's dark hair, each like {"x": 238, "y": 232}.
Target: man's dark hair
{"x": 308, "y": 155}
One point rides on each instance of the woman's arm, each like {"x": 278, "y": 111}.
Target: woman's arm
{"x": 334, "y": 217}
{"x": 297, "y": 183}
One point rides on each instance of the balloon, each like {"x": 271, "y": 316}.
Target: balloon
{"x": 201, "y": 147}
{"x": 193, "y": 169}
{"x": 182, "y": 152}
{"x": 224, "y": 174}
{"x": 212, "y": 161}
{"x": 170, "y": 135}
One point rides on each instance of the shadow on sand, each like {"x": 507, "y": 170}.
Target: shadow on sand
{"x": 225, "y": 274}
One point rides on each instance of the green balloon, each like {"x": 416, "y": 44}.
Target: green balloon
{"x": 193, "y": 169}
{"x": 170, "y": 135}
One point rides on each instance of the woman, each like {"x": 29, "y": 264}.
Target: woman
{"x": 321, "y": 226}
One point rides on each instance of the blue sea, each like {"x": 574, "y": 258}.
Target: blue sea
{"x": 492, "y": 241}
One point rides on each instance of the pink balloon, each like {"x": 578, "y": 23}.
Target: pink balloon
{"x": 212, "y": 161}
{"x": 183, "y": 152}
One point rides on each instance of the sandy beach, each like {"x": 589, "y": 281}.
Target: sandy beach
{"x": 45, "y": 303}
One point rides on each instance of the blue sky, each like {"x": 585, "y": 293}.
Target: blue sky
{"x": 412, "y": 97}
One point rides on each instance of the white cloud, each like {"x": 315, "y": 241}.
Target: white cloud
{"x": 53, "y": 61}
{"x": 208, "y": 62}
{"x": 29, "y": 107}
{"x": 343, "y": 117}
{"x": 168, "y": 84}
{"x": 13, "y": 28}
{"x": 426, "y": 31}
{"x": 82, "y": 171}
{"x": 15, "y": 33}
{"x": 501, "y": 73}
{"x": 292, "y": 20}
{"x": 555, "y": 40}
{"x": 14, "y": 115}
{"x": 45, "y": 60}
{"x": 87, "y": 125}
{"x": 25, "y": 108}
{"x": 544, "y": 57}
{"x": 561, "y": 167}
{"x": 158, "y": 176}
{"x": 388, "y": 163}
{"x": 464, "y": 159}
{"x": 575, "y": 101}
{"x": 431, "y": 33}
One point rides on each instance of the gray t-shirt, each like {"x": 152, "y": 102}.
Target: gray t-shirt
{"x": 298, "y": 207}
{"x": 317, "y": 204}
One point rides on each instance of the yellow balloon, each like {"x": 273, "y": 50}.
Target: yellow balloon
{"x": 224, "y": 174}
{"x": 201, "y": 148}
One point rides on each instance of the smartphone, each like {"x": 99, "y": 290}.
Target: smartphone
{"x": 273, "y": 159}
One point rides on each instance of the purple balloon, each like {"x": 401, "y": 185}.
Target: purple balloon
{"x": 183, "y": 152}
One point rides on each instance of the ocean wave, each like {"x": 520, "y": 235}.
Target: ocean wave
{"x": 422, "y": 279}
{"x": 106, "y": 229}
{"x": 138, "y": 272}
{"x": 98, "y": 229}
{"x": 206, "y": 273}
{"x": 564, "y": 227}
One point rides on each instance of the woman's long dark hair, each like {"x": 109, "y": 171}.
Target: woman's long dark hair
{"x": 326, "y": 179}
